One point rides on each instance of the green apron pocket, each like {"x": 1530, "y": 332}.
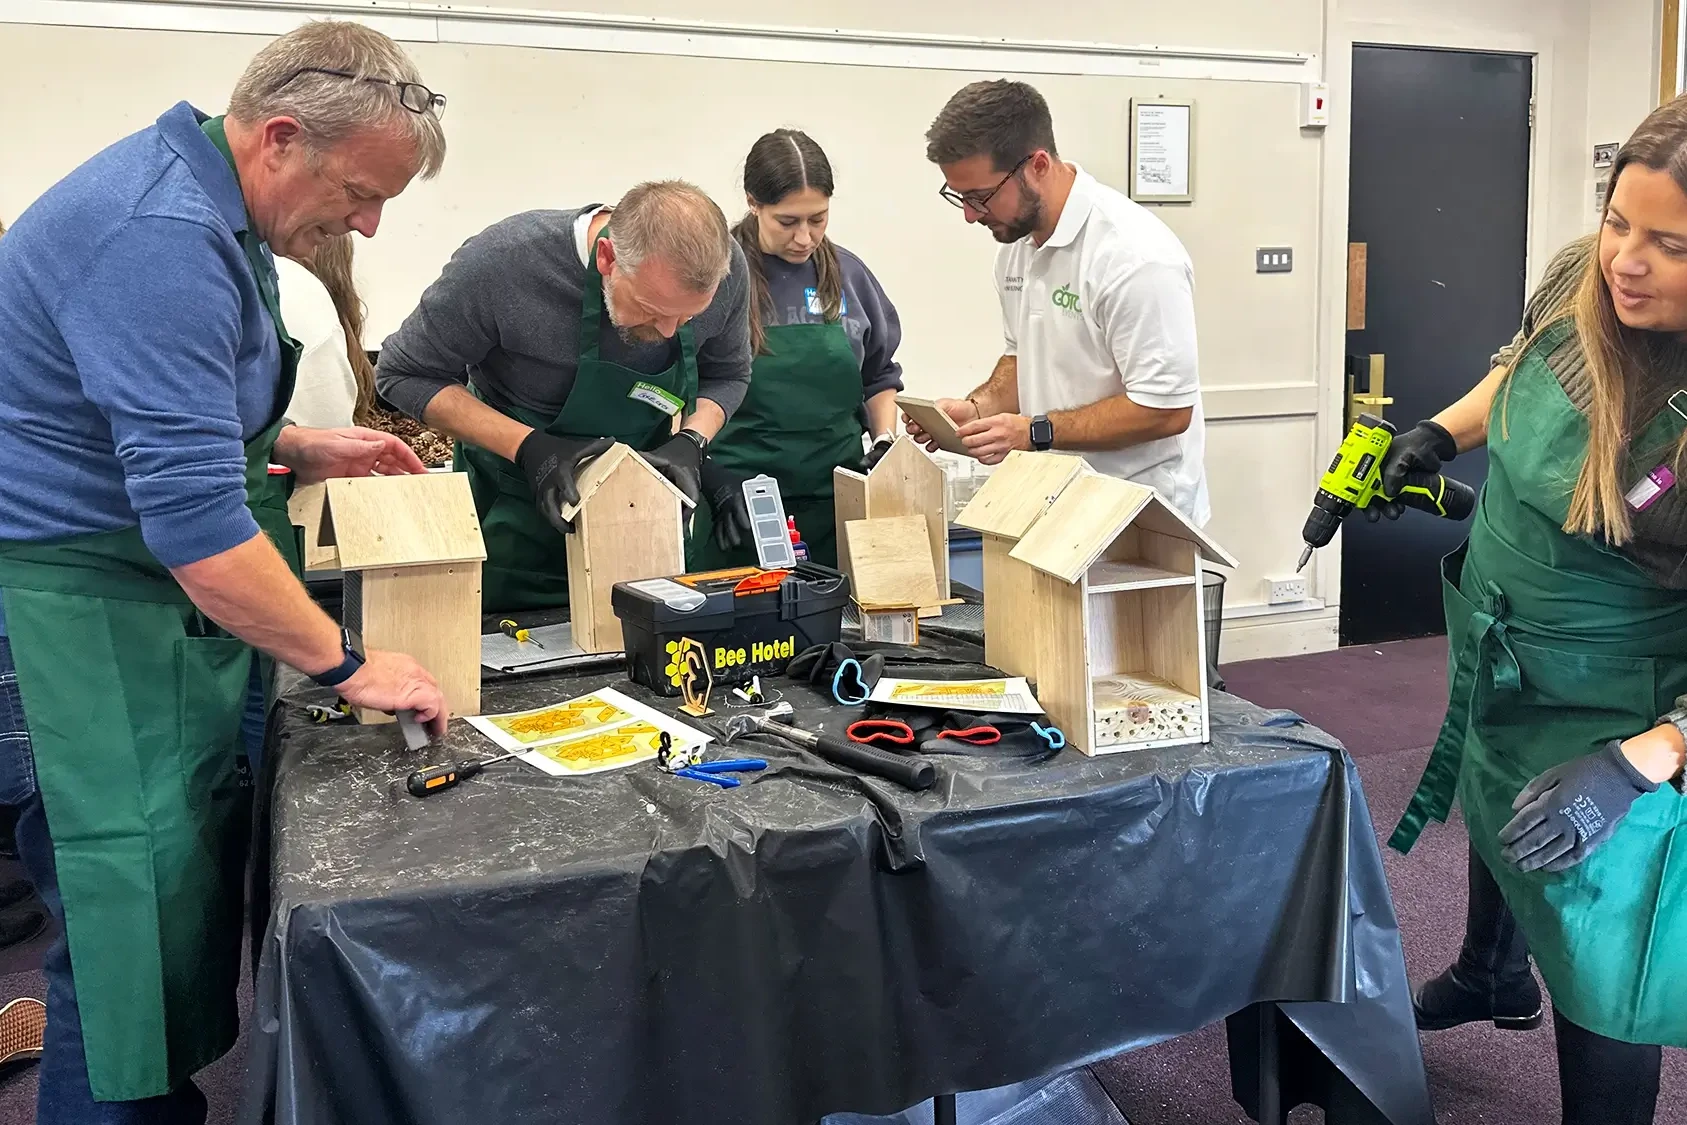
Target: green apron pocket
{"x": 212, "y": 675}
{"x": 1570, "y": 704}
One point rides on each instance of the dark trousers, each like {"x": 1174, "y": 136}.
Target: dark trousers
{"x": 1603, "y": 1081}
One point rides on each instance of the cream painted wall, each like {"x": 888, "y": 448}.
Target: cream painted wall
{"x": 533, "y": 127}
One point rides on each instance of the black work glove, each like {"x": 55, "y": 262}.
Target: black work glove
{"x": 551, "y": 464}
{"x": 1422, "y": 449}
{"x": 881, "y": 445}
{"x": 1568, "y": 811}
{"x": 680, "y": 459}
{"x": 724, "y": 490}
{"x": 818, "y": 664}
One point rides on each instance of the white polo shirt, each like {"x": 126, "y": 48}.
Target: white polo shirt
{"x": 1106, "y": 305}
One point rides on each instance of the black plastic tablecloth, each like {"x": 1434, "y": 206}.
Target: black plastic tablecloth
{"x": 631, "y": 948}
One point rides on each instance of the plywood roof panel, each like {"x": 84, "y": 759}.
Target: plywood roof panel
{"x": 1020, "y": 490}
{"x": 402, "y": 520}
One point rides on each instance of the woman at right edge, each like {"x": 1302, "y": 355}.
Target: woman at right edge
{"x": 1567, "y": 630}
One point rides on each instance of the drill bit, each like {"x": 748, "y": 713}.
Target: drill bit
{"x": 1305, "y": 556}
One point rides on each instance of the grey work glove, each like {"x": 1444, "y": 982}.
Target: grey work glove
{"x": 1422, "y": 449}
{"x": 1568, "y": 811}
{"x": 551, "y": 464}
{"x": 680, "y": 459}
{"x": 724, "y": 489}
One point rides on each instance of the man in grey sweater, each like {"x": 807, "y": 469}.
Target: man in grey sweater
{"x": 551, "y": 335}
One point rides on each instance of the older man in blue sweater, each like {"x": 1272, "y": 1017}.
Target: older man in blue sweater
{"x": 145, "y": 551}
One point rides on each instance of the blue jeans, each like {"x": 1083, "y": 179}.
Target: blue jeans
{"x": 64, "y": 1097}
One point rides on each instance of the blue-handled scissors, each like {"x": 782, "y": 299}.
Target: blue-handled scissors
{"x": 711, "y": 771}
{"x": 1053, "y": 735}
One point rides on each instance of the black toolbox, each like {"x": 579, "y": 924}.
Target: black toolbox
{"x": 749, "y": 621}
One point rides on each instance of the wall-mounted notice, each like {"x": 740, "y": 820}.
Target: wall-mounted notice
{"x": 1162, "y": 151}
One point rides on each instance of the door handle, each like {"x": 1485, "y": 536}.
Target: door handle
{"x": 1364, "y": 388}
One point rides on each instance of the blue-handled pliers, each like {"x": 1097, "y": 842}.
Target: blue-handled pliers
{"x": 711, "y": 771}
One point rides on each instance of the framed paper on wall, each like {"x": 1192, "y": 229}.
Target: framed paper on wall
{"x": 1162, "y": 151}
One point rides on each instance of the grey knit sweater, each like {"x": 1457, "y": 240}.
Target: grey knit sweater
{"x": 1659, "y": 546}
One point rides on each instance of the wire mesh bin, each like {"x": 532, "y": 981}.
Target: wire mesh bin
{"x": 1212, "y": 610}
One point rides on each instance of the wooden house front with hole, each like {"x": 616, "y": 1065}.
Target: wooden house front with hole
{"x": 411, "y": 552}
{"x": 628, "y": 525}
{"x": 1111, "y": 616}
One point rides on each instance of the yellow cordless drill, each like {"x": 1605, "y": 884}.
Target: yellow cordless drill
{"x": 1354, "y": 480}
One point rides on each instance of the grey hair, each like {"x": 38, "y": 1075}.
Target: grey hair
{"x": 329, "y": 108}
{"x": 674, "y": 222}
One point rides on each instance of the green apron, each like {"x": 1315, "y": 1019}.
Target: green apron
{"x": 1558, "y": 644}
{"x": 526, "y": 560}
{"x": 800, "y": 419}
{"x": 134, "y": 701}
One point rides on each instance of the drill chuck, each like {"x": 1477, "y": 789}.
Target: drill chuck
{"x": 1328, "y": 510}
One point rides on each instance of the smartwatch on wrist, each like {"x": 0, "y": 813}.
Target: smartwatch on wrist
{"x": 351, "y": 648}
{"x": 1042, "y": 433}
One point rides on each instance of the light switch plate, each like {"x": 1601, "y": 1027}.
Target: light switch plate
{"x": 1274, "y": 259}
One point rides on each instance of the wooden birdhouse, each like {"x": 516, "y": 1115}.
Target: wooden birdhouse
{"x": 905, "y": 482}
{"x": 628, "y": 525}
{"x": 1100, "y": 602}
{"x": 411, "y": 552}
{"x": 1002, "y": 511}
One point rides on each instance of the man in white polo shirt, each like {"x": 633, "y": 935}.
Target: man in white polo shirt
{"x": 1098, "y": 305}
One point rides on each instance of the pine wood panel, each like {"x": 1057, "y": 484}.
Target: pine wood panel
{"x": 1083, "y": 520}
{"x": 929, "y": 417}
{"x": 431, "y": 613}
{"x": 891, "y": 562}
{"x": 1020, "y": 490}
{"x": 402, "y": 520}
{"x": 631, "y": 527}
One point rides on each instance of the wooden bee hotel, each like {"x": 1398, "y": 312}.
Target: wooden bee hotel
{"x": 1098, "y": 600}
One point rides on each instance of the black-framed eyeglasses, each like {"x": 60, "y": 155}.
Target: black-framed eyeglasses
{"x": 413, "y": 96}
{"x": 980, "y": 202}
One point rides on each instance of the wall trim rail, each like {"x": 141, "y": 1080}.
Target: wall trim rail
{"x": 648, "y": 35}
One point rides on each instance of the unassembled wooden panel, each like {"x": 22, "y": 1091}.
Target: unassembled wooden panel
{"x": 907, "y": 482}
{"x": 1088, "y": 515}
{"x": 1063, "y": 667}
{"x": 1012, "y": 619}
{"x": 1020, "y": 490}
{"x": 431, "y": 613}
{"x": 891, "y": 626}
{"x": 402, "y": 520}
{"x": 631, "y": 528}
{"x": 930, "y": 417}
{"x": 304, "y": 508}
{"x": 849, "y": 502}
{"x": 890, "y": 561}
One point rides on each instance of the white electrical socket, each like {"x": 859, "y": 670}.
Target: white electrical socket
{"x": 1281, "y": 591}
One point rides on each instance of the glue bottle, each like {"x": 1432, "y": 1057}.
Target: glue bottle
{"x": 798, "y": 547}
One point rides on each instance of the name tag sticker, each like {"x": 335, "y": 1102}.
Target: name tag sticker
{"x": 1651, "y": 486}
{"x": 815, "y": 308}
{"x": 652, "y": 395}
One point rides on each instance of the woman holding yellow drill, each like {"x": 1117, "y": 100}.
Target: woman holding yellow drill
{"x": 1567, "y": 625}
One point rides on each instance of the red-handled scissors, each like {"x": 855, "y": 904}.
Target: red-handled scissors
{"x": 881, "y": 730}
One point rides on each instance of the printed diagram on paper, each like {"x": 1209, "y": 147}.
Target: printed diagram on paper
{"x": 601, "y": 731}
{"x": 1010, "y": 694}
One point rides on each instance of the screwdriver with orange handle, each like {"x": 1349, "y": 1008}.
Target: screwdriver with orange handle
{"x": 437, "y": 779}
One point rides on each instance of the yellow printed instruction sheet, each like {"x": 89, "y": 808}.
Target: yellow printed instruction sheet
{"x": 601, "y": 731}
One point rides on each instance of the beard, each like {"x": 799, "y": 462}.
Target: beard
{"x": 1028, "y": 219}
{"x": 633, "y": 333}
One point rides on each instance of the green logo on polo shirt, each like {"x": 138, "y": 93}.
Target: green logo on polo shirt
{"x": 1066, "y": 300}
